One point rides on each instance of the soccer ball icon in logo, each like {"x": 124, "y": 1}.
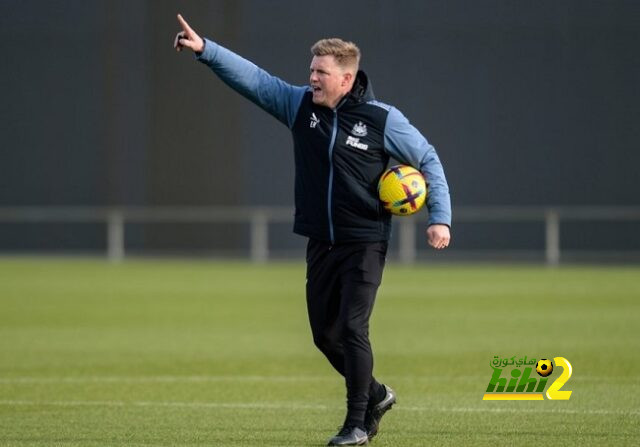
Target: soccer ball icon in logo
{"x": 402, "y": 190}
{"x": 544, "y": 367}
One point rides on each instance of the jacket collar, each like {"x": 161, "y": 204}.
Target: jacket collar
{"x": 362, "y": 91}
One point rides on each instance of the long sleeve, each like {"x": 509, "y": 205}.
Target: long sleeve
{"x": 406, "y": 144}
{"x": 271, "y": 93}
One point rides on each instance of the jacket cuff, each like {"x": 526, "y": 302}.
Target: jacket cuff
{"x": 208, "y": 52}
{"x": 439, "y": 219}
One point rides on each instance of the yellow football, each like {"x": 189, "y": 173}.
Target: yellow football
{"x": 402, "y": 190}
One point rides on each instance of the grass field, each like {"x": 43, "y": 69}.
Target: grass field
{"x": 174, "y": 353}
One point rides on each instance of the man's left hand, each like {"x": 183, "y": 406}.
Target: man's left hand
{"x": 438, "y": 236}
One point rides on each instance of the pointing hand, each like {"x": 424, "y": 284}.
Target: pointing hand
{"x": 187, "y": 38}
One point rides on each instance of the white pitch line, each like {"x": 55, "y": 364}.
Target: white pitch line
{"x": 298, "y": 406}
{"x": 522, "y": 410}
{"x": 111, "y": 403}
{"x": 164, "y": 379}
{"x": 274, "y": 379}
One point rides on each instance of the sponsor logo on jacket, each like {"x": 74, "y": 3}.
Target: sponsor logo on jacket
{"x": 313, "y": 121}
{"x": 355, "y": 142}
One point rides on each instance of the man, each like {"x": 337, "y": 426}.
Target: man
{"x": 336, "y": 200}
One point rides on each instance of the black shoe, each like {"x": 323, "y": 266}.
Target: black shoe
{"x": 350, "y": 435}
{"x": 373, "y": 415}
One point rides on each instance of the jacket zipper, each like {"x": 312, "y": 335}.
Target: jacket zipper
{"x": 334, "y": 133}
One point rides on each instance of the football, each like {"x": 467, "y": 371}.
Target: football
{"x": 544, "y": 367}
{"x": 402, "y": 190}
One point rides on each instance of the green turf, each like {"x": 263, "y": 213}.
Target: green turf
{"x": 219, "y": 354}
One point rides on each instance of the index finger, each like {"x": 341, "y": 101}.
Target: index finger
{"x": 184, "y": 24}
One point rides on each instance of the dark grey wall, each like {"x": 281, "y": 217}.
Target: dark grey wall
{"x": 528, "y": 103}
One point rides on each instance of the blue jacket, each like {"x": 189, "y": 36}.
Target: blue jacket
{"x": 339, "y": 153}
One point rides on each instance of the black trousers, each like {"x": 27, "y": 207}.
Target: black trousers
{"x": 342, "y": 281}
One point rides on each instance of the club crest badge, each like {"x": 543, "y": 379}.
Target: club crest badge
{"x": 360, "y": 129}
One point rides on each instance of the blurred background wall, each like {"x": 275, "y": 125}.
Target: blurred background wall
{"x": 527, "y": 103}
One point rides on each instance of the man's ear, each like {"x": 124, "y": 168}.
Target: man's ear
{"x": 347, "y": 77}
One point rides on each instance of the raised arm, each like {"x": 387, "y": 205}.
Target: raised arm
{"x": 271, "y": 93}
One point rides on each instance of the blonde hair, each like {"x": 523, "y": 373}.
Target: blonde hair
{"x": 346, "y": 54}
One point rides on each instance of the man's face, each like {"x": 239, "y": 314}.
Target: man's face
{"x": 328, "y": 80}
